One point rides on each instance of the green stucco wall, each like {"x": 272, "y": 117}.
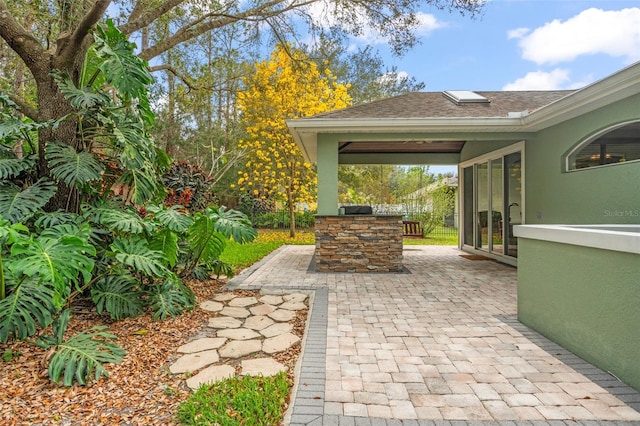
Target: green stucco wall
{"x": 590, "y": 196}
{"x": 475, "y": 148}
{"x": 585, "y": 299}
{"x": 327, "y": 175}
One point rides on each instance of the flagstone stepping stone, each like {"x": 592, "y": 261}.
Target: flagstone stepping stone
{"x": 224, "y": 297}
{"x": 224, "y": 322}
{"x": 236, "y": 312}
{"x": 263, "y": 309}
{"x": 240, "y": 348}
{"x": 295, "y": 297}
{"x": 195, "y": 361}
{"x": 199, "y": 345}
{"x": 293, "y": 306}
{"x": 262, "y": 367}
{"x": 238, "y": 333}
{"x": 258, "y": 322}
{"x": 211, "y": 374}
{"x": 282, "y": 315}
{"x": 279, "y": 343}
{"x": 277, "y": 329}
{"x": 211, "y": 306}
{"x": 243, "y": 301}
{"x": 271, "y": 299}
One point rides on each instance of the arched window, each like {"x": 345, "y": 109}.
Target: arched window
{"x": 613, "y": 146}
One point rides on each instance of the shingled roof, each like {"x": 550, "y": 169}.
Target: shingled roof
{"x": 436, "y": 105}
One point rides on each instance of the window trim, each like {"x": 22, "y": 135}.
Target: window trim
{"x": 590, "y": 139}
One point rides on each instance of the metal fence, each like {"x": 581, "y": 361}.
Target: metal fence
{"x": 280, "y": 220}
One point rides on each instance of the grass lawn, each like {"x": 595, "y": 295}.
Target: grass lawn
{"x": 241, "y": 256}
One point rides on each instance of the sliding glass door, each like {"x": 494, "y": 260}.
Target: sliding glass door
{"x": 492, "y": 202}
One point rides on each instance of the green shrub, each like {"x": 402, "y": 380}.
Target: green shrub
{"x": 280, "y": 220}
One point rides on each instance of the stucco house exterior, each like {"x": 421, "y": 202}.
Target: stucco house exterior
{"x": 548, "y": 181}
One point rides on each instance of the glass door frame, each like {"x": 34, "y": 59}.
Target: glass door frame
{"x": 499, "y": 154}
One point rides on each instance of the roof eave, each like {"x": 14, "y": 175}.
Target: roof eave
{"x": 306, "y": 130}
{"x": 618, "y": 86}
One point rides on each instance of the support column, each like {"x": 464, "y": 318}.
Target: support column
{"x": 327, "y": 175}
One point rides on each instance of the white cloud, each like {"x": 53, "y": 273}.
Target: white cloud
{"x": 541, "y": 80}
{"x": 517, "y": 33}
{"x": 428, "y": 23}
{"x": 593, "y": 31}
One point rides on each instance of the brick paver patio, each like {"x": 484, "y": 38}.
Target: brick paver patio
{"x": 439, "y": 344}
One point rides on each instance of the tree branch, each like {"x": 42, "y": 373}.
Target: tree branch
{"x": 217, "y": 20}
{"x": 25, "y": 108}
{"x": 70, "y": 47}
{"x": 172, "y": 70}
{"x": 186, "y": 80}
{"x": 21, "y": 41}
{"x": 139, "y": 19}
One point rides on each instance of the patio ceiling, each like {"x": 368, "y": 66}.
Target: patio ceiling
{"x": 420, "y": 146}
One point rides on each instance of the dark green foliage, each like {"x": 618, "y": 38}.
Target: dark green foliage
{"x": 82, "y": 355}
{"x": 12, "y": 167}
{"x": 120, "y": 221}
{"x": 73, "y": 168}
{"x": 61, "y": 261}
{"x": 119, "y": 295}
{"x": 170, "y": 299}
{"x": 172, "y": 218}
{"x": 232, "y": 223}
{"x": 27, "y": 307}
{"x": 18, "y": 205}
{"x": 166, "y": 242}
{"x": 136, "y": 254}
{"x": 126, "y": 258}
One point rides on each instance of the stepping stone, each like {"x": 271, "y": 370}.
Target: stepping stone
{"x": 262, "y": 367}
{"x": 293, "y": 306}
{"x": 235, "y": 312}
{"x": 279, "y": 343}
{"x": 238, "y": 334}
{"x": 263, "y": 309}
{"x": 204, "y": 344}
{"x": 211, "y": 374}
{"x": 224, "y": 322}
{"x": 295, "y": 297}
{"x": 271, "y": 299}
{"x": 282, "y": 315}
{"x": 211, "y": 306}
{"x": 277, "y": 329}
{"x": 224, "y": 297}
{"x": 240, "y": 348}
{"x": 259, "y": 322}
{"x": 243, "y": 301}
{"x": 193, "y": 362}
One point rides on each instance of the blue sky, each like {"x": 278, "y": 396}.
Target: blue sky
{"x": 522, "y": 45}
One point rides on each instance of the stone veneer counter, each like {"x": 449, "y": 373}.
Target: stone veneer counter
{"x": 358, "y": 243}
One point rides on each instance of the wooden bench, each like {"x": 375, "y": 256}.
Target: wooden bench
{"x": 411, "y": 229}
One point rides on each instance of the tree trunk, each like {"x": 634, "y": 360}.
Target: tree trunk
{"x": 292, "y": 214}
{"x": 53, "y": 105}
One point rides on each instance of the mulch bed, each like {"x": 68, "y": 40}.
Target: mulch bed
{"x": 139, "y": 390}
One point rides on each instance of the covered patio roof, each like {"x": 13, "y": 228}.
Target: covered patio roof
{"x": 436, "y": 123}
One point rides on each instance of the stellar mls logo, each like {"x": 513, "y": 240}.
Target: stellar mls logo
{"x": 622, "y": 213}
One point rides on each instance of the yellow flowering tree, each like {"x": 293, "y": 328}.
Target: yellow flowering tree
{"x": 286, "y": 86}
